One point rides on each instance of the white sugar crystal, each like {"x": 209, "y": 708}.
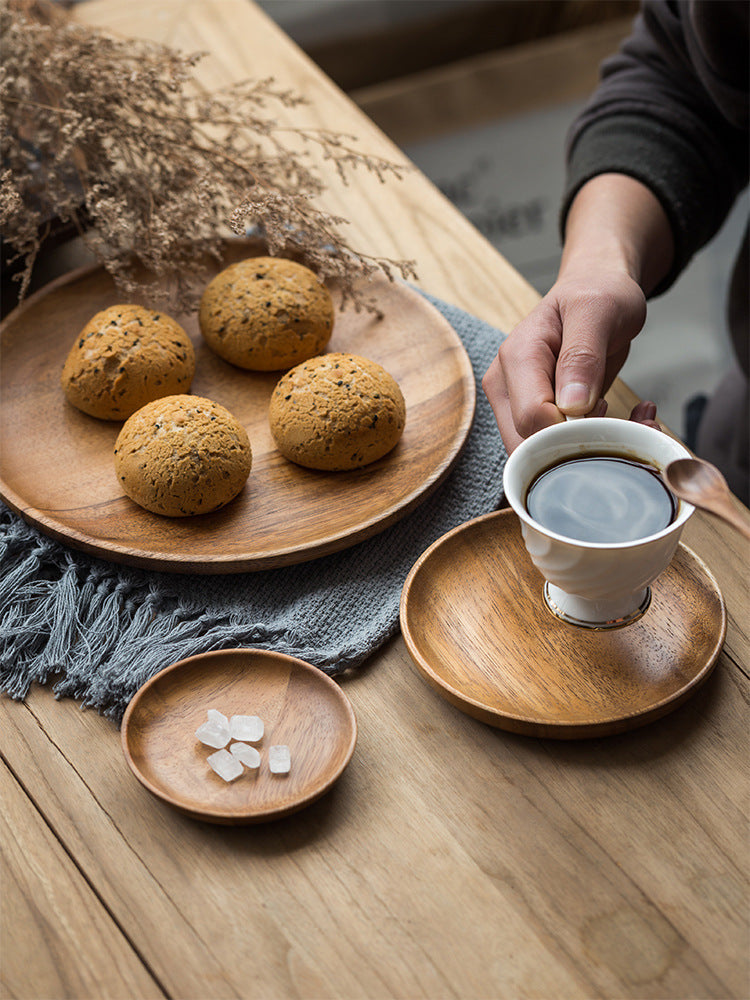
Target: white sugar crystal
{"x": 212, "y": 735}
{"x": 246, "y": 727}
{"x": 226, "y": 765}
{"x": 218, "y": 719}
{"x": 279, "y": 760}
{"x": 248, "y": 755}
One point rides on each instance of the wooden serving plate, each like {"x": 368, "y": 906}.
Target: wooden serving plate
{"x": 476, "y": 625}
{"x": 301, "y": 707}
{"x": 56, "y": 465}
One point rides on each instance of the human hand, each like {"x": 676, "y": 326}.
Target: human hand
{"x": 562, "y": 358}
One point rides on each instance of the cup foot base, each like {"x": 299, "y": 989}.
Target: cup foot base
{"x": 552, "y": 601}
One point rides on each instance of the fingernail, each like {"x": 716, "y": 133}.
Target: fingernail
{"x": 574, "y": 396}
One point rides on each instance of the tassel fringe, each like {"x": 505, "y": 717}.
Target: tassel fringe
{"x": 100, "y": 631}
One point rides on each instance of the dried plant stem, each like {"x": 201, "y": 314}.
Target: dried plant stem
{"x": 117, "y": 138}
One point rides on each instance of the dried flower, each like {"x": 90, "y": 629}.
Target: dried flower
{"x": 118, "y": 138}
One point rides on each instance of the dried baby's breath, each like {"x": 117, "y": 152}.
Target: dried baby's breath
{"x": 117, "y": 137}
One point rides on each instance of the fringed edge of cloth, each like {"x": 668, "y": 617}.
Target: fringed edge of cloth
{"x": 100, "y": 632}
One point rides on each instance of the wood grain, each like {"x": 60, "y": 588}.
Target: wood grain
{"x": 48, "y": 908}
{"x": 475, "y": 622}
{"x": 452, "y": 859}
{"x": 611, "y": 867}
{"x": 285, "y": 514}
{"x": 300, "y": 707}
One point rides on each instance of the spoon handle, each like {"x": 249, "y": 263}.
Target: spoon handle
{"x": 729, "y": 513}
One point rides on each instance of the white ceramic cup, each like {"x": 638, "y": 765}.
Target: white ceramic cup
{"x": 594, "y": 584}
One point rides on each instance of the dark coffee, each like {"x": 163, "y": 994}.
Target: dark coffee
{"x": 601, "y": 498}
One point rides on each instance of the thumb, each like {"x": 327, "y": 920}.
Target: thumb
{"x": 579, "y": 377}
{"x": 596, "y": 334}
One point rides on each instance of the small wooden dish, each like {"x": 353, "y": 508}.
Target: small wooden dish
{"x": 476, "y": 625}
{"x": 300, "y": 706}
{"x": 56, "y": 465}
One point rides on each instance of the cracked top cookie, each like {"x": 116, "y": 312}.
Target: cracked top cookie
{"x": 266, "y": 314}
{"x": 182, "y": 455}
{"x": 127, "y": 356}
{"x": 336, "y": 412}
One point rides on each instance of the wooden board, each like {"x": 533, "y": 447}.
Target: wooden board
{"x": 476, "y": 625}
{"x": 56, "y": 464}
{"x": 49, "y": 909}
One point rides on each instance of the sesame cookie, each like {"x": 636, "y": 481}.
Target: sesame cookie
{"x": 182, "y": 455}
{"x": 266, "y": 314}
{"x": 125, "y": 357}
{"x": 336, "y": 412}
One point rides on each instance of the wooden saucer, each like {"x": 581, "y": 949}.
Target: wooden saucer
{"x": 300, "y": 706}
{"x": 476, "y": 625}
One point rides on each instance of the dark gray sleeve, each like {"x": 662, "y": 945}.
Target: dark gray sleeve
{"x": 671, "y": 111}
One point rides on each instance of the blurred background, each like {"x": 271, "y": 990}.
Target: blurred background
{"x": 479, "y": 95}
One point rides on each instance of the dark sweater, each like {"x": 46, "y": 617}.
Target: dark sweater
{"x": 671, "y": 110}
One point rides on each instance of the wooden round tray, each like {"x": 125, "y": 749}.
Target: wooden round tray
{"x": 476, "y": 625}
{"x": 56, "y": 465}
{"x": 301, "y": 707}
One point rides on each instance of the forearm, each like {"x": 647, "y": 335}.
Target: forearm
{"x": 670, "y": 111}
{"x": 615, "y": 223}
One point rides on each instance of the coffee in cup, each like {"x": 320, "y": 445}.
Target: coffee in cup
{"x": 601, "y": 498}
{"x": 596, "y": 519}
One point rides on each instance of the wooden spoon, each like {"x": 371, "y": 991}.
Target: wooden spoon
{"x": 702, "y": 485}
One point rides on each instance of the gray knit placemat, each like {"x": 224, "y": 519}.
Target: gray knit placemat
{"x": 98, "y": 630}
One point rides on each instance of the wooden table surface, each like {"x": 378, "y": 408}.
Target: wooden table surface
{"x": 451, "y": 859}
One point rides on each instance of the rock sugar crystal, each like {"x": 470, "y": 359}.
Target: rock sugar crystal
{"x": 247, "y": 728}
{"x": 247, "y": 754}
{"x": 279, "y": 760}
{"x": 226, "y": 765}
